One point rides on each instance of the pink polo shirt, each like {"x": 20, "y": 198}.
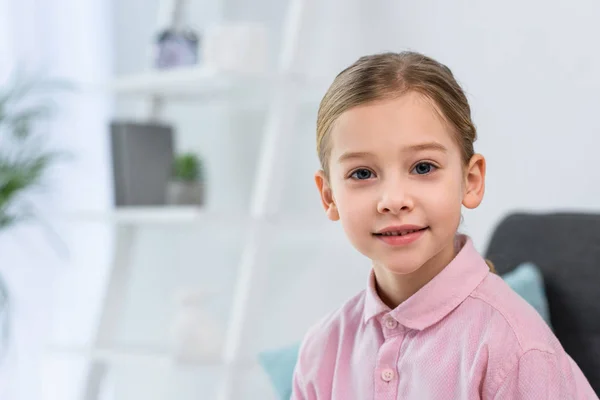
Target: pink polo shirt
{"x": 464, "y": 335}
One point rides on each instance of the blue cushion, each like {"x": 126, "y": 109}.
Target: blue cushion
{"x": 279, "y": 365}
{"x": 526, "y": 280}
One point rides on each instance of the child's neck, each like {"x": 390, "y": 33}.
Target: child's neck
{"x": 394, "y": 289}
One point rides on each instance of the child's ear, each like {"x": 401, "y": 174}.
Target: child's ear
{"x": 474, "y": 182}
{"x": 326, "y": 196}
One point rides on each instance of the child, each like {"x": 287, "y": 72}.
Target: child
{"x": 395, "y": 141}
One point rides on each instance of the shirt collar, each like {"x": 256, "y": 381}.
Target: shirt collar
{"x": 439, "y": 296}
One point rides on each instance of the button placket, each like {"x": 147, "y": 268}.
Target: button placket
{"x": 386, "y": 375}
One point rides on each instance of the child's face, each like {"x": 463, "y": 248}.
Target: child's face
{"x": 395, "y": 165}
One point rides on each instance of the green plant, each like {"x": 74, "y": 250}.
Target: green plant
{"x": 25, "y": 156}
{"x": 187, "y": 167}
{"x": 25, "y": 159}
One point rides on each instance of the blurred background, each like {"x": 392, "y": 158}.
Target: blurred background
{"x": 161, "y": 229}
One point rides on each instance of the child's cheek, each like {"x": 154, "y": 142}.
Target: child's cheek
{"x": 442, "y": 197}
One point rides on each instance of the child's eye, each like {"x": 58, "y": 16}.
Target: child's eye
{"x": 424, "y": 168}
{"x": 361, "y": 174}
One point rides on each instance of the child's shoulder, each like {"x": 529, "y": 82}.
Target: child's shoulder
{"x": 511, "y": 315}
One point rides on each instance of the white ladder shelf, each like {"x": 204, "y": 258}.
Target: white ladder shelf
{"x": 267, "y": 189}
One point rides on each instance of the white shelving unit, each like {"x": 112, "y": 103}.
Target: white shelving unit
{"x": 283, "y": 91}
{"x": 148, "y": 216}
{"x": 155, "y": 357}
{"x": 196, "y": 82}
{"x": 188, "y": 215}
{"x": 209, "y": 83}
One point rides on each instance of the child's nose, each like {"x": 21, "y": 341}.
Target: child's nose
{"x": 394, "y": 200}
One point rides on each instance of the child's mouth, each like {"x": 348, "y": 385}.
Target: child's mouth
{"x": 400, "y": 236}
{"x": 400, "y": 232}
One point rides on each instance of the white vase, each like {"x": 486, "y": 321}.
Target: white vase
{"x": 196, "y": 336}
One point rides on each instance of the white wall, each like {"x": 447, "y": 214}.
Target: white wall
{"x": 530, "y": 73}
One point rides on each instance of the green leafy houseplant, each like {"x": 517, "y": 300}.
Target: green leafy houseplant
{"x": 25, "y": 159}
{"x": 187, "y": 168}
{"x": 25, "y": 156}
{"x": 187, "y": 181}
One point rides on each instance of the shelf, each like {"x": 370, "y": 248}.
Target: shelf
{"x": 178, "y": 215}
{"x": 202, "y": 82}
{"x": 146, "y": 356}
{"x": 184, "y": 81}
{"x": 160, "y": 215}
{"x": 302, "y": 227}
{"x": 119, "y": 356}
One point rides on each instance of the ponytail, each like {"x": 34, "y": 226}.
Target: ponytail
{"x": 491, "y": 266}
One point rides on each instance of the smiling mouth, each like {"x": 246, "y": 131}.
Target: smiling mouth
{"x": 400, "y": 233}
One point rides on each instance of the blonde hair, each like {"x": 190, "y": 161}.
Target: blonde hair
{"x": 491, "y": 266}
{"x": 390, "y": 75}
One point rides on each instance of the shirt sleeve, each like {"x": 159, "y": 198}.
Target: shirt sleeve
{"x": 540, "y": 375}
{"x": 299, "y": 389}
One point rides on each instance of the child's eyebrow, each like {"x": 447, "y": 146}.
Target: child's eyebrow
{"x": 354, "y": 154}
{"x": 426, "y": 146}
{"x": 413, "y": 148}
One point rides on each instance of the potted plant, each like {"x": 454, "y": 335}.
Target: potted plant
{"x": 25, "y": 159}
{"x": 186, "y": 185}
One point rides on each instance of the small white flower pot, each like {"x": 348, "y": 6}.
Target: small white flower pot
{"x": 185, "y": 193}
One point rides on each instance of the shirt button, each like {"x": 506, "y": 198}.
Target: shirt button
{"x": 387, "y": 375}
{"x": 391, "y": 323}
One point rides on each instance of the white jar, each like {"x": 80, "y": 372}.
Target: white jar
{"x": 236, "y": 47}
{"x": 196, "y": 336}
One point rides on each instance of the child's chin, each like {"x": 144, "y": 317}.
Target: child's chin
{"x": 406, "y": 268}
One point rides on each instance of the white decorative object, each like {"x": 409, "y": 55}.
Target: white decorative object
{"x": 195, "y": 335}
{"x": 237, "y": 47}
